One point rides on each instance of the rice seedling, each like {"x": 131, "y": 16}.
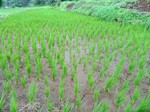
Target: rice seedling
{"x": 78, "y": 100}
{"x": 96, "y": 95}
{"x": 138, "y": 77}
{"x": 143, "y": 106}
{"x": 13, "y": 101}
{"x": 75, "y": 65}
{"x": 3, "y": 62}
{"x": 25, "y": 47}
{"x": 109, "y": 83}
{"x": 50, "y": 105}
{"x": 96, "y": 107}
{"x": 16, "y": 76}
{"x": 38, "y": 69}
{"x": 104, "y": 106}
{"x": 136, "y": 95}
{"x": 8, "y": 55}
{"x": 132, "y": 64}
{"x": 128, "y": 108}
{"x": 7, "y": 85}
{"x": 61, "y": 89}
{"x": 90, "y": 79}
{"x": 94, "y": 65}
{"x": 54, "y": 71}
{"x": 28, "y": 68}
{"x": 76, "y": 87}
{"x": 102, "y": 73}
{"x": 13, "y": 105}
{"x": 120, "y": 98}
{"x": 141, "y": 63}
{"x": 91, "y": 82}
{"x": 66, "y": 107}
{"x": 23, "y": 81}
{"x": 101, "y": 107}
{"x": 106, "y": 64}
{"x": 73, "y": 74}
{"x": 32, "y": 90}
{"x": 16, "y": 64}
{"x": 2, "y": 96}
{"x": 8, "y": 74}
{"x": 46, "y": 80}
{"x": 65, "y": 69}
{"x": 125, "y": 85}
{"x": 34, "y": 47}
{"x": 14, "y": 93}
{"x": 47, "y": 91}
{"x": 85, "y": 63}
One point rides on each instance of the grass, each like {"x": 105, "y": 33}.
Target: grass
{"x": 60, "y": 60}
{"x": 109, "y": 10}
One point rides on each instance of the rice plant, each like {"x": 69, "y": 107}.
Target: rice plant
{"x": 120, "y": 98}
{"x": 16, "y": 76}
{"x": 76, "y": 87}
{"x": 132, "y": 64}
{"x": 54, "y": 71}
{"x": 13, "y": 101}
{"x": 7, "y": 85}
{"x": 2, "y": 100}
{"x": 96, "y": 95}
{"x": 50, "y": 105}
{"x": 8, "y": 74}
{"x": 47, "y": 91}
{"x": 28, "y": 68}
{"x": 32, "y": 91}
{"x": 66, "y": 107}
{"x": 73, "y": 74}
{"x": 13, "y": 105}
{"x": 102, "y": 73}
{"x": 46, "y": 80}
{"x": 138, "y": 77}
{"x": 101, "y": 107}
{"x": 136, "y": 95}
{"x": 78, "y": 100}
{"x": 23, "y": 81}
{"x": 128, "y": 108}
{"x": 61, "y": 89}
{"x": 109, "y": 83}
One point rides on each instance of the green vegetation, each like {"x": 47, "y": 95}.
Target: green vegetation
{"x": 109, "y": 10}
{"x": 69, "y": 62}
{"x": 32, "y": 91}
{"x": 2, "y": 100}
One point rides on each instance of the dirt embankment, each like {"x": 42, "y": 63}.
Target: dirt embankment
{"x": 141, "y": 5}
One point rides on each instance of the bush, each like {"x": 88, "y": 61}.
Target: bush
{"x": 0, "y": 3}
